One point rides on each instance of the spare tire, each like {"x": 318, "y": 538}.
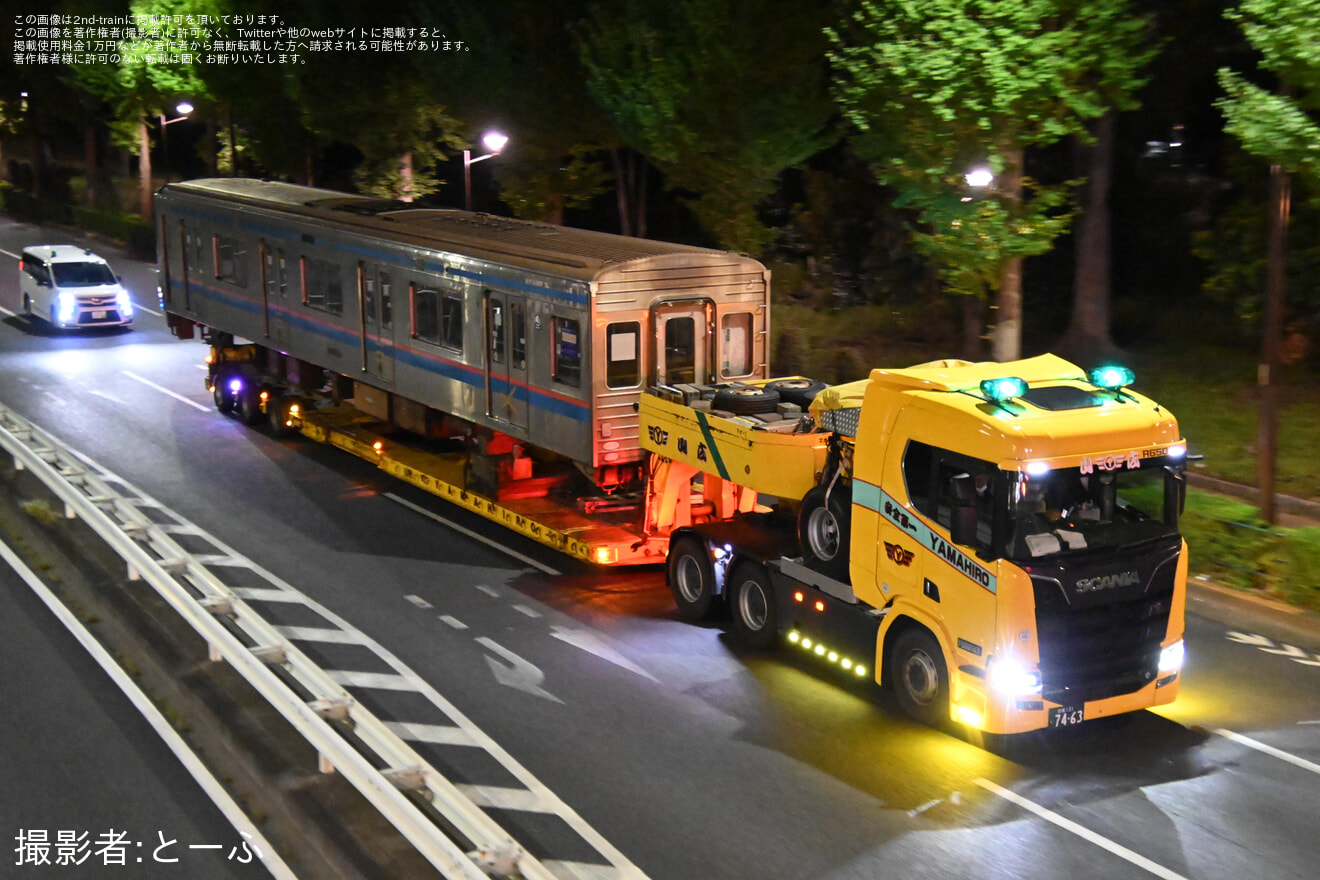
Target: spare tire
{"x": 746, "y": 400}
{"x": 799, "y": 391}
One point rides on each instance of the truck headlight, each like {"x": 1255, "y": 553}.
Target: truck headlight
{"x": 1171, "y": 658}
{"x": 65, "y": 304}
{"x": 124, "y": 303}
{"x": 1011, "y": 677}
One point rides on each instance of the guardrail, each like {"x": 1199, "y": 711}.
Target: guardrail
{"x": 253, "y": 647}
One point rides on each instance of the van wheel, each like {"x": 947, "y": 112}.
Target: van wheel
{"x": 692, "y": 579}
{"x": 921, "y": 680}
{"x": 824, "y": 530}
{"x": 27, "y": 305}
{"x": 755, "y": 615}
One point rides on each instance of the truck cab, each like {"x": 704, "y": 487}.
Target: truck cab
{"x": 998, "y": 542}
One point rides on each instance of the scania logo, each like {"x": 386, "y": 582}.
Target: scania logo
{"x": 1108, "y": 581}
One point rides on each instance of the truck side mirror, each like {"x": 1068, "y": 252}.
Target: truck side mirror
{"x": 962, "y": 519}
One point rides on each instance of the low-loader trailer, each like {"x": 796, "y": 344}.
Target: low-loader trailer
{"x": 997, "y": 541}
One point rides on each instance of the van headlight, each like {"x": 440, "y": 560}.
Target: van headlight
{"x": 1011, "y": 677}
{"x": 65, "y": 304}
{"x": 1171, "y": 658}
{"x": 124, "y": 303}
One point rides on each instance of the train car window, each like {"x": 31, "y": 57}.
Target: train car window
{"x": 229, "y": 264}
{"x": 322, "y": 286}
{"x": 518, "y": 335}
{"x": 680, "y": 350}
{"x": 282, "y": 267}
{"x": 198, "y": 246}
{"x": 736, "y": 344}
{"x": 438, "y": 318}
{"x": 386, "y": 308}
{"x": 623, "y": 363}
{"x": 566, "y": 368}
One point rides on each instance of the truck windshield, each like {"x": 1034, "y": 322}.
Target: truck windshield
{"x": 1066, "y": 511}
{"x": 82, "y": 274}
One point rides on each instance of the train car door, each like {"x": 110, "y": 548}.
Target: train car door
{"x": 274, "y": 294}
{"x": 376, "y": 304}
{"x": 506, "y": 357}
{"x": 682, "y": 347}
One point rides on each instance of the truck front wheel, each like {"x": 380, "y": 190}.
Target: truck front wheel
{"x": 921, "y": 680}
{"x": 692, "y": 579}
{"x": 755, "y": 616}
{"x": 224, "y": 398}
{"x": 824, "y": 528}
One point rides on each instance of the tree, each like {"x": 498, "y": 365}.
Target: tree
{"x": 721, "y": 96}
{"x": 1281, "y": 127}
{"x": 142, "y": 88}
{"x": 937, "y": 87}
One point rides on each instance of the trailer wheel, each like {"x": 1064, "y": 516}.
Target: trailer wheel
{"x": 745, "y": 400}
{"x": 224, "y": 398}
{"x": 277, "y": 413}
{"x": 692, "y": 579}
{"x": 755, "y": 614}
{"x": 824, "y": 530}
{"x": 249, "y": 404}
{"x": 921, "y": 680}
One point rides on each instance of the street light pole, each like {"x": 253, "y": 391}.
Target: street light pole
{"x": 184, "y": 108}
{"x": 491, "y": 140}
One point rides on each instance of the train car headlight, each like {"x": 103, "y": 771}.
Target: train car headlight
{"x": 1011, "y": 677}
{"x": 1171, "y": 658}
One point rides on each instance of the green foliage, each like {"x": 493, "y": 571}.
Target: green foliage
{"x": 1228, "y": 542}
{"x": 1279, "y": 126}
{"x": 720, "y": 95}
{"x": 937, "y": 87}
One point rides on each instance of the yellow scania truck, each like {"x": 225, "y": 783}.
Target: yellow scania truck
{"x": 997, "y": 541}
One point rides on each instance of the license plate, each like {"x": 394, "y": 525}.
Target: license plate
{"x": 98, "y": 316}
{"x": 1067, "y": 716}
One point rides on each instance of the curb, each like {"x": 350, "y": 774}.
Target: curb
{"x": 1289, "y": 504}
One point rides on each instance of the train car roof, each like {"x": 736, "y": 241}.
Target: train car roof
{"x": 576, "y": 253}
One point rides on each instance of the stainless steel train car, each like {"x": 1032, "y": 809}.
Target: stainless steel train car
{"x": 539, "y": 333}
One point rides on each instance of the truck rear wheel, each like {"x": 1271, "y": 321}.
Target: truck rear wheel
{"x": 824, "y": 529}
{"x": 746, "y": 400}
{"x": 692, "y": 579}
{"x": 277, "y": 412}
{"x": 249, "y": 404}
{"x": 755, "y": 615}
{"x": 921, "y": 679}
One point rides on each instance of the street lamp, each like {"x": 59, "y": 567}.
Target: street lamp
{"x": 183, "y": 109}
{"x": 491, "y": 140}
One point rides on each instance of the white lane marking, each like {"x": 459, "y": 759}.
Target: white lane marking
{"x": 418, "y": 601}
{"x": 528, "y": 610}
{"x": 593, "y": 644}
{"x": 494, "y": 797}
{"x": 540, "y": 566}
{"x": 1266, "y": 644}
{"x": 320, "y": 634}
{"x": 489, "y": 590}
{"x": 141, "y": 308}
{"x": 453, "y": 621}
{"x": 519, "y": 673}
{"x": 1081, "y": 831}
{"x": 163, "y": 390}
{"x": 1269, "y": 750}
{"x": 382, "y": 681}
{"x": 930, "y": 804}
{"x": 10, "y": 254}
{"x": 20, "y": 317}
{"x": 437, "y": 734}
{"x": 209, "y": 784}
{"x": 261, "y": 594}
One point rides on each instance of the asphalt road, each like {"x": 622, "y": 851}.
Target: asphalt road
{"x": 693, "y": 758}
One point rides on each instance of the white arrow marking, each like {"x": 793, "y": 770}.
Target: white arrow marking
{"x": 1286, "y": 651}
{"x": 1250, "y": 639}
{"x": 594, "y": 644}
{"x": 518, "y": 674}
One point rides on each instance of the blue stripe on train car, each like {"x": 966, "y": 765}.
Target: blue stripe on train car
{"x": 430, "y": 362}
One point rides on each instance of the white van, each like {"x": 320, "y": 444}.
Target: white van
{"x": 70, "y": 286}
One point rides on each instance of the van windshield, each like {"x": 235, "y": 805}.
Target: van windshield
{"x": 82, "y": 274}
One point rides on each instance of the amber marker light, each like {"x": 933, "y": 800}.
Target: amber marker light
{"x": 820, "y": 606}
